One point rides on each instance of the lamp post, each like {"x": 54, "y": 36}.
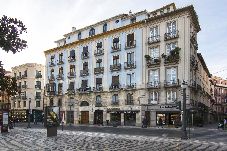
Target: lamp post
{"x": 29, "y": 126}
{"x": 184, "y": 132}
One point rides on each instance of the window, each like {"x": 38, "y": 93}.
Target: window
{"x": 59, "y": 102}
{"x": 154, "y": 77}
{"x": 92, "y": 32}
{"x": 105, "y": 27}
{"x": 115, "y": 98}
{"x": 60, "y": 70}
{"x": 26, "y": 73}
{"x": 38, "y": 104}
{"x": 71, "y": 86}
{"x": 60, "y": 57}
{"x": 79, "y": 36}
{"x": 18, "y": 105}
{"x": 133, "y": 20}
{"x": 72, "y": 54}
{"x": 154, "y": 33}
{"x": 72, "y": 69}
{"x": 84, "y": 83}
{"x": 98, "y": 83}
{"x": 24, "y": 103}
{"x": 52, "y": 72}
{"x": 116, "y": 60}
{"x": 98, "y": 63}
{"x": 52, "y": 59}
{"x": 25, "y": 83}
{"x": 154, "y": 52}
{"x": 153, "y": 97}
{"x": 98, "y": 99}
{"x": 130, "y": 79}
{"x": 130, "y": 40}
{"x": 129, "y": 97}
{"x": 116, "y": 43}
{"x": 171, "y": 28}
{"x": 130, "y": 58}
{"x": 60, "y": 86}
{"x": 15, "y": 75}
{"x": 171, "y": 96}
{"x": 85, "y": 66}
{"x": 85, "y": 51}
{"x": 170, "y": 47}
{"x": 99, "y": 45}
{"x": 38, "y": 73}
{"x": 171, "y": 75}
{"x": 115, "y": 81}
{"x": 38, "y": 84}
{"x": 19, "y": 74}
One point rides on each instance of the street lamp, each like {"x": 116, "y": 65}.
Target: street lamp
{"x": 184, "y": 134}
{"x": 29, "y": 126}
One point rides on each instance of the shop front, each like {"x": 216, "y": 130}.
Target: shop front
{"x": 70, "y": 117}
{"x": 130, "y": 118}
{"x": 115, "y": 118}
{"x": 98, "y": 117}
{"x": 169, "y": 118}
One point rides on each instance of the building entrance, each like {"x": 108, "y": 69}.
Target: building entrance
{"x": 98, "y": 117}
{"x": 84, "y": 117}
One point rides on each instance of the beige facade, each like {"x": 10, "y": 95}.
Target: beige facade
{"x": 30, "y": 82}
{"x": 137, "y": 71}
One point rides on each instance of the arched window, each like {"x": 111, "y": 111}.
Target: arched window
{"x": 92, "y": 32}
{"x": 79, "y": 35}
{"x": 98, "y": 102}
{"x": 105, "y": 27}
{"x": 84, "y": 103}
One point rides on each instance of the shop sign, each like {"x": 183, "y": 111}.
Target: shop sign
{"x": 113, "y": 109}
{"x": 167, "y": 106}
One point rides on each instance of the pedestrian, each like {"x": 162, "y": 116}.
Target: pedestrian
{"x": 160, "y": 122}
{"x": 144, "y": 123}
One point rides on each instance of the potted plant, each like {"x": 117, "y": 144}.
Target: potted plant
{"x": 147, "y": 57}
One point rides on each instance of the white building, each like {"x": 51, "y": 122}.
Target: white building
{"x": 126, "y": 67}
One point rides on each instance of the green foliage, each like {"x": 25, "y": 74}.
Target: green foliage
{"x": 10, "y": 31}
{"x": 147, "y": 57}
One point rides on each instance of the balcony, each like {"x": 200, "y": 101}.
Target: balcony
{"x": 60, "y": 93}
{"x": 71, "y": 75}
{"x": 19, "y": 77}
{"x": 38, "y": 87}
{"x": 24, "y": 86}
{"x": 130, "y": 44}
{"x": 116, "y": 47}
{"x": 38, "y": 97}
{"x": 130, "y": 86}
{"x": 115, "y": 87}
{"x": 72, "y": 59}
{"x": 98, "y": 104}
{"x": 173, "y": 57}
{"x": 115, "y": 102}
{"x": 51, "y": 78}
{"x": 193, "y": 85}
{"x": 171, "y": 83}
{"x": 38, "y": 76}
{"x": 194, "y": 42}
{"x": 60, "y": 62}
{"x": 99, "y": 52}
{"x": 152, "y": 101}
{"x": 84, "y": 55}
{"x": 129, "y": 102}
{"x": 152, "y": 62}
{"x": 115, "y": 67}
{"x": 60, "y": 77}
{"x": 130, "y": 65}
{"x": 71, "y": 91}
{"x": 51, "y": 64}
{"x": 24, "y": 97}
{"x": 98, "y": 89}
{"x": 99, "y": 70}
{"x": 24, "y": 76}
{"x": 154, "y": 39}
{"x": 84, "y": 90}
{"x": 84, "y": 73}
{"x": 171, "y": 35}
{"x": 153, "y": 85}
{"x": 51, "y": 93}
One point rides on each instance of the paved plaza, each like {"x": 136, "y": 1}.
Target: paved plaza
{"x": 35, "y": 139}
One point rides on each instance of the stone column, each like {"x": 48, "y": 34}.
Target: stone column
{"x": 122, "y": 119}
{"x": 138, "y": 119}
{"x": 104, "y": 117}
{"x": 153, "y": 118}
{"x": 91, "y": 117}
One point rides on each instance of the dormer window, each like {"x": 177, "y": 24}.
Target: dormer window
{"x": 133, "y": 20}
{"x": 79, "y": 35}
{"x": 92, "y": 32}
{"x": 105, "y": 27}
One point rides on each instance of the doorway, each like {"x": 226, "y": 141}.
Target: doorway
{"x": 84, "y": 117}
{"x": 98, "y": 117}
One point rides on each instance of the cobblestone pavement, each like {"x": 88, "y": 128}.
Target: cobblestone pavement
{"x": 35, "y": 139}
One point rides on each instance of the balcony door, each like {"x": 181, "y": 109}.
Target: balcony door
{"x": 171, "y": 75}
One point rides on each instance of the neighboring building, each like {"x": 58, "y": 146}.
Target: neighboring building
{"x": 30, "y": 82}
{"x": 3, "y": 95}
{"x": 128, "y": 67}
{"x": 219, "y": 97}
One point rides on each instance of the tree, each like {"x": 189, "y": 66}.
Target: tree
{"x": 10, "y": 31}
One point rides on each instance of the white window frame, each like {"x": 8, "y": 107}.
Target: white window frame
{"x": 170, "y": 47}
{"x": 154, "y": 77}
{"x": 154, "y": 52}
{"x": 171, "y": 28}
{"x": 131, "y": 80}
{"x": 153, "y": 97}
{"x": 173, "y": 75}
{"x": 171, "y": 96}
{"x": 154, "y": 32}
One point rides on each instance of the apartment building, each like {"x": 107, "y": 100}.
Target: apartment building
{"x": 219, "y": 102}
{"x": 128, "y": 67}
{"x": 30, "y": 83}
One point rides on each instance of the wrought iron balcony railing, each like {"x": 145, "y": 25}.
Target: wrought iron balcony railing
{"x": 85, "y": 55}
{"x": 99, "y": 52}
{"x": 115, "y": 102}
{"x": 171, "y": 35}
{"x": 60, "y": 62}
{"x": 72, "y": 59}
{"x": 60, "y": 77}
{"x": 51, "y": 64}
{"x": 38, "y": 76}
{"x": 115, "y": 67}
{"x": 84, "y": 73}
{"x": 130, "y": 44}
{"x": 153, "y": 39}
{"x": 71, "y": 75}
{"x": 129, "y": 102}
{"x": 116, "y": 47}
{"x": 131, "y": 86}
{"x": 84, "y": 89}
{"x": 153, "y": 85}
{"x": 153, "y": 62}
{"x": 99, "y": 70}
{"x": 38, "y": 87}
{"x": 171, "y": 83}
{"x": 130, "y": 65}
{"x": 115, "y": 87}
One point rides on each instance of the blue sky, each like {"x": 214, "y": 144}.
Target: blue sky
{"x": 49, "y": 20}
